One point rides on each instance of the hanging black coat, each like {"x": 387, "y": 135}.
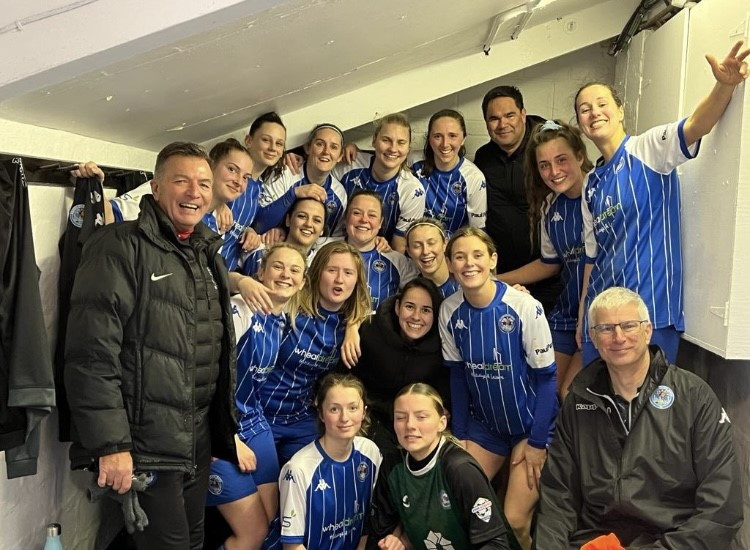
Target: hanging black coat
{"x": 27, "y": 391}
{"x": 85, "y": 215}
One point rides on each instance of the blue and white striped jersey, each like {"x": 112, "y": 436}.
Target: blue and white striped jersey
{"x": 631, "y": 221}
{"x": 457, "y": 197}
{"x": 496, "y": 346}
{"x": 244, "y": 211}
{"x": 324, "y": 503}
{"x": 307, "y": 352}
{"x": 561, "y": 231}
{"x": 258, "y": 341}
{"x": 126, "y": 207}
{"x": 278, "y": 197}
{"x": 403, "y": 196}
{"x": 386, "y": 272}
{"x": 449, "y": 287}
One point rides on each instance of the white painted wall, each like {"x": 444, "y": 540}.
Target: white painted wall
{"x": 34, "y": 141}
{"x": 664, "y": 76}
{"x": 548, "y": 90}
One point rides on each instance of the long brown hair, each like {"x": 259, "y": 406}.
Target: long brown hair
{"x": 615, "y": 96}
{"x": 537, "y": 193}
{"x": 356, "y": 308}
{"x": 272, "y": 172}
{"x": 428, "y": 165}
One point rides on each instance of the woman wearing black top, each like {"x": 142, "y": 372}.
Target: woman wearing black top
{"x": 400, "y": 346}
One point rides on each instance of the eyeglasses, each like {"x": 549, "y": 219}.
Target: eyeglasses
{"x": 627, "y": 327}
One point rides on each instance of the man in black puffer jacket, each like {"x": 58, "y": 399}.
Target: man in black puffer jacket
{"x": 150, "y": 352}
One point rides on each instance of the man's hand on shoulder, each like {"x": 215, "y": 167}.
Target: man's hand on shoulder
{"x": 116, "y": 471}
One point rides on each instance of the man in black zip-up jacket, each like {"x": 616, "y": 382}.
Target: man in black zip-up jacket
{"x": 643, "y": 448}
{"x": 501, "y": 160}
{"x": 150, "y": 352}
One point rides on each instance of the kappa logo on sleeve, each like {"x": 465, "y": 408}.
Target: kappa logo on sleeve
{"x": 482, "y": 509}
{"x": 724, "y": 417}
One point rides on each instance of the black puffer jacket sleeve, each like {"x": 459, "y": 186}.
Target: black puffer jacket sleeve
{"x": 102, "y": 301}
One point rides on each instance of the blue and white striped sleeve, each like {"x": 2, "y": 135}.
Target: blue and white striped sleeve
{"x": 476, "y": 194}
{"x": 241, "y": 316}
{"x": 589, "y": 239}
{"x": 411, "y": 199}
{"x": 663, "y": 148}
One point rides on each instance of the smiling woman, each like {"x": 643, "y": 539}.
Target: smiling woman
{"x": 323, "y": 147}
{"x": 627, "y": 242}
{"x": 400, "y": 345}
{"x": 386, "y": 173}
{"x": 336, "y": 295}
{"x": 456, "y": 193}
{"x": 326, "y": 487}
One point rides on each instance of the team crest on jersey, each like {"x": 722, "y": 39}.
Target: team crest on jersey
{"x": 331, "y": 206}
{"x": 482, "y": 509}
{"x": 76, "y": 215}
{"x": 662, "y": 398}
{"x": 215, "y": 484}
{"x": 378, "y": 266}
{"x": 151, "y": 478}
{"x": 405, "y": 501}
{"x": 507, "y": 323}
{"x": 264, "y": 199}
{"x": 456, "y": 187}
{"x": 436, "y": 541}
{"x": 445, "y": 502}
{"x": 362, "y": 471}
